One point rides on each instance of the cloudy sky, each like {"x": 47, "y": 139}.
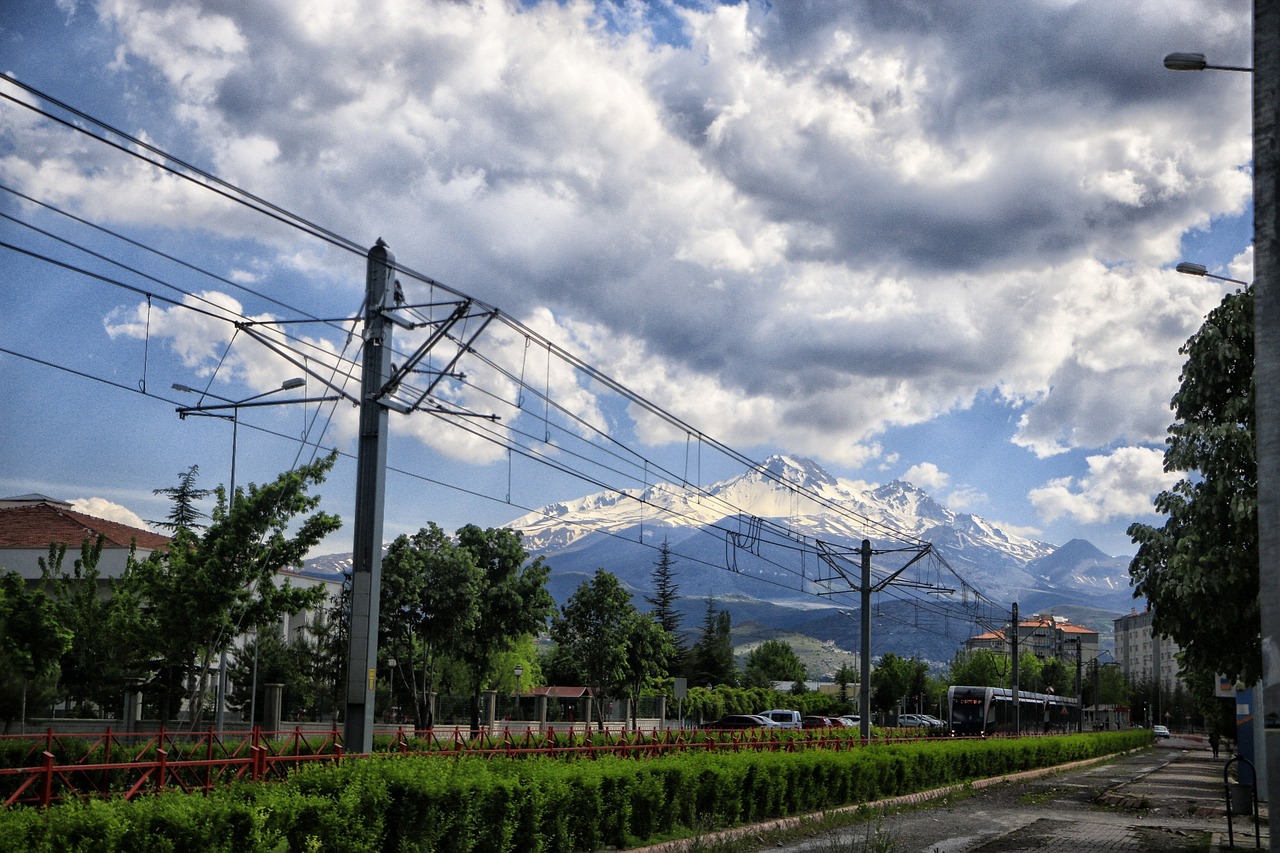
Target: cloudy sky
{"x": 926, "y": 241}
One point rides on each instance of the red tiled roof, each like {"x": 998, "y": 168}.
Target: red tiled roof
{"x": 39, "y": 525}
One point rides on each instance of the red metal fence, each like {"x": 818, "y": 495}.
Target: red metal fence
{"x": 57, "y": 768}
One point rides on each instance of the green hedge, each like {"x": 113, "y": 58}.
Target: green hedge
{"x": 432, "y": 803}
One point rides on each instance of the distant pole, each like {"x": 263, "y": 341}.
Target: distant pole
{"x": 1266, "y": 318}
{"x": 1013, "y": 676}
{"x": 864, "y": 690}
{"x": 371, "y": 473}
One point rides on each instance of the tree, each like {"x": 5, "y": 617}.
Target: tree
{"x": 512, "y": 602}
{"x": 980, "y": 668}
{"x": 666, "y": 594}
{"x": 207, "y": 587}
{"x": 773, "y": 660}
{"x": 895, "y": 678}
{"x": 430, "y": 597}
{"x": 1199, "y": 571}
{"x": 593, "y": 632}
{"x": 102, "y": 646}
{"x": 711, "y": 658}
{"x": 184, "y": 514}
{"x": 649, "y": 652}
{"x": 31, "y": 642}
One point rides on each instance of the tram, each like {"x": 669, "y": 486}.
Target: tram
{"x": 990, "y": 710}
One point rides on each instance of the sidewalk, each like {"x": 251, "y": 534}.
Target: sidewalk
{"x": 1189, "y": 785}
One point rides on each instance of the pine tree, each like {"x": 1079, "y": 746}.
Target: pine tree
{"x": 666, "y": 593}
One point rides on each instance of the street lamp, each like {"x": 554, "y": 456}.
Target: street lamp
{"x": 1188, "y": 268}
{"x": 1197, "y": 62}
{"x": 220, "y": 715}
{"x": 519, "y": 671}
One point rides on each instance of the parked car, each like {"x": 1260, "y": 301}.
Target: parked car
{"x": 815, "y": 722}
{"x": 934, "y": 722}
{"x": 1161, "y": 731}
{"x": 741, "y": 721}
{"x": 851, "y": 720}
{"x": 913, "y": 721}
{"x": 848, "y": 722}
{"x": 783, "y": 717}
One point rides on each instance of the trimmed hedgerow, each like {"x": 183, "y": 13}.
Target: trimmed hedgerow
{"x": 544, "y": 805}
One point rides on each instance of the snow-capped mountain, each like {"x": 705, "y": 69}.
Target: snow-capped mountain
{"x": 728, "y": 528}
{"x": 746, "y": 544}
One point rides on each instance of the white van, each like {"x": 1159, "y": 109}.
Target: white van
{"x": 783, "y": 718}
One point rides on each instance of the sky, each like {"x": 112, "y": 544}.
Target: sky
{"x": 921, "y": 241}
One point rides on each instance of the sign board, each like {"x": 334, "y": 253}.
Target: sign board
{"x": 681, "y": 688}
{"x": 1224, "y": 688}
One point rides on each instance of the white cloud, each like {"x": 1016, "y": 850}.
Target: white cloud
{"x": 927, "y": 476}
{"x": 1121, "y": 484}
{"x": 109, "y": 510}
{"x": 795, "y": 226}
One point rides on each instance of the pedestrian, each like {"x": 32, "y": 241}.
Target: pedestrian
{"x": 1213, "y": 743}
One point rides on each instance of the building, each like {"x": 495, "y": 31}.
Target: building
{"x": 1045, "y": 636}
{"x": 29, "y": 524}
{"x": 1142, "y": 654}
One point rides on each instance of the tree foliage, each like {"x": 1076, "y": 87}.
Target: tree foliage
{"x": 602, "y": 638}
{"x": 1199, "y": 571}
{"x": 31, "y": 643}
{"x": 430, "y": 598}
{"x": 710, "y": 661}
{"x": 666, "y": 595}
{"x": 773, "y": 660}
{"x": 103, "y": 646}
{"x": 184, "y": 514}
{"x": 207, "y": 587}
{"x": 512, "y": 602}
{"x": 896, "y": 678}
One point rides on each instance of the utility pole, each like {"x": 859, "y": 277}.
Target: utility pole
{"x": 1266, "y": 307}
{"x": 1014, "y": 629}
{"x": 864, "y": 690}
{"x": 371, "y": 474}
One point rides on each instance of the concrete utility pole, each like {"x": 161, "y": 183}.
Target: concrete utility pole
{"x": 864, "y": 691}
{"x": 371, "y": 482}
{"x": 1015, "y": 630}
{"x": 1266, "y": 306}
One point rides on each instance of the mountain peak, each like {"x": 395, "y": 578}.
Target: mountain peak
{"x": 798, "y": 470}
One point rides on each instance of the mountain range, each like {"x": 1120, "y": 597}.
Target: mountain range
{"x": 747, "y": 545}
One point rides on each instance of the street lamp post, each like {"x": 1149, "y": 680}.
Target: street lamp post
{"x": 1266, "y": 371}
{"x": 220, "y": 713}
{"x": 519, "y": 671}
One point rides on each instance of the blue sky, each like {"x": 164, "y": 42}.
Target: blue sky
{"x": 930, "y": 242}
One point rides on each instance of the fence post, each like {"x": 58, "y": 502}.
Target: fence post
{"x": 162, "y": 755}
{"x": 46, "y": 789}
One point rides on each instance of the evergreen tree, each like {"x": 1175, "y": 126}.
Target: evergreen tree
{"x": 184, "y": 514}
{"x": 711, "y": 658}
{"x": 666, "y": 595}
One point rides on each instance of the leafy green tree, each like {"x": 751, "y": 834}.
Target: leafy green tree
{"x": 512, "y": 602}
{"x": 1199, "y": 571}
{"x": 1030, "y": 673}
{"x": 208, "y": 586}
{"x": 980, "y": 668}
{"x": 1059, "y": 676}
{"x": 430, "y": 597}
{"x": 649, "y": 649}
{"x": 592, "y": 632}
{"x": 773, "y": 660}
{"x": 711, "y": 658}
{"x": 666, "y": 596}
{"x": 102, "y": 647}
{"x": 31, "y": 643}
{"x": 897, "y": 678}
